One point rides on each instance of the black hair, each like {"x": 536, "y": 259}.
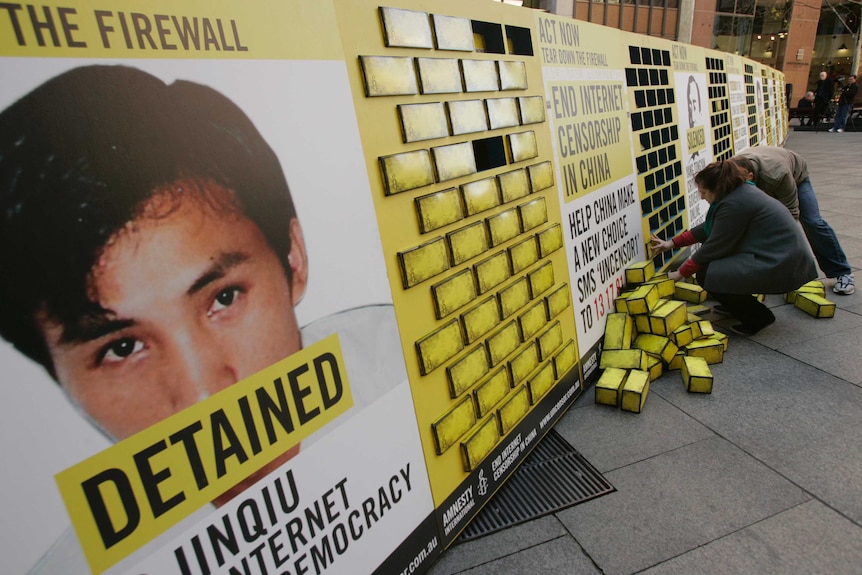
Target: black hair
{"x": 79, "y": 157}
{"x": 745, "y": 163}
{"x": 720, "y": 178}
{"x": 693, "y": 82}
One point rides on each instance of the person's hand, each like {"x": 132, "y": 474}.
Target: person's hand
{"x": 658, "y": 245}
{"x": 675, "y": 276}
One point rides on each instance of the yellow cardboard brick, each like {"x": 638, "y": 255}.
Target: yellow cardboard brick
{"x": 618, "y": 331}
{"x": 466, "y": 371}
{"x": 541, "y": 382}
{"x": 449, "y": 428}
{"x": 694, "y": 325}
{"x": 533, "y": 112}
{"x": 480, "y": 443}
{"x": 676, "y": 362}
{"x": 657, "y": 345}
{"x": 442, "y": 76}
{"x": 815, "y": 286}
{"x": 621, "y": 301}
{"x": 696, "y": 375}
{"x": 558, "y": 300}
{"x": 550, "y": 341}
{"x": 642, "y": 299}
{"x": 654, "y": 367}
{"x": 511, "y": 412}
{"x": 666, "y": 286}
{"x": 815, "y": 305}
{"x": 667, "y": 317}
{"x": 682, "y": 335}
{"x": 707, "y": 348}
{"x": 565, "y": 359}
{"x": 491, "y": 392}
{"x": 690, "y": 292}
{"x": 635, "y": 391}
{"x": 642, "y": 323}
{"x": 722, "y": 337}
{"x": 623, "y": 359}
{"x": 453, "y": 33}
{"x": 640, "y": 272}
{"x": 697, "y": 308}
{"x": 609, "y": 387}
{"x": 705, "y": 327}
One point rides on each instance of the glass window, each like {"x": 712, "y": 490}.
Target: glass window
{"x": 726, "y": 6}
{"x": 735, "y": 6}
{"x": 732, "y": 33}
{"x": 745, "y": 7}
{"x": 838, "y": 19}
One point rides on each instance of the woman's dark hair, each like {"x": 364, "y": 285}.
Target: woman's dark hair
{"x": 720, "y": 178}
{"x": 83, "y": 152}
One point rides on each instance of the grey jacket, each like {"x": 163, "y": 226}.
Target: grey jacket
{"x": 778, "y": 172}
{"x": 755, "y": 246}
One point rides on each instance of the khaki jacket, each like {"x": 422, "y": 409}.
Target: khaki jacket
{"x": 778, "y": 172}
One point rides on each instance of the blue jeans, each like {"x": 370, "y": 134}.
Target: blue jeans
{"x": 821, "y": 236}
{"x": 841, "y": 116}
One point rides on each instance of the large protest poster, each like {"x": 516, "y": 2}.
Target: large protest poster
{"x": 736, "y": 92}
{"x": 585, "y": 86}
{"x": 777, "y": 107}
{"x": 451, "y": 109}
{"x": 761, "y": 105}
{"x": 199, "y": 336}
{"x": 781, "y": 105}
{"x": 418, "y": 322}
{"x": 693, "y": 108}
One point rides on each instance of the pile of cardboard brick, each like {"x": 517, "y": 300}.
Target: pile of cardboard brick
{"x": 656, "y": 327}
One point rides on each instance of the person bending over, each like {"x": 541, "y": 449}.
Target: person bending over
{"x": 783, "y": 174}
{"x": 750, "y": 244}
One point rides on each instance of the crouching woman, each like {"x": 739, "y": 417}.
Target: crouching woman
{"x": 750, "y": 245}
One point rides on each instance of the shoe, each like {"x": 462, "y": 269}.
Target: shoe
{"x": 831, "y": 129}
{"x": 845, "y": 285}
{"x": 840, "y": 130}
{"x": 721, "y": 310}
{"x": 749, "y": 329}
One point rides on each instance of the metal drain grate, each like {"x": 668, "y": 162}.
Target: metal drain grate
{"x": 554, "y": 476}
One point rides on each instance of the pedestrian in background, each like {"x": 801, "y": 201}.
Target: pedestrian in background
{"x": 845, "y": 104}
{"x": 823, "y": 93}
{"x": 806, "y": 102}
{"x": 783, "y": 174}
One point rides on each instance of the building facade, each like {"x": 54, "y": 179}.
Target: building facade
{"x": 800, "y": 38}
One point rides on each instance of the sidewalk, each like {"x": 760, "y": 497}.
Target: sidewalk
{"x": 762, "y": 476}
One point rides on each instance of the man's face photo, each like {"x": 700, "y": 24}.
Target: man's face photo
{"x": 694, "y": 108}
{"x": 151, "y": 254}
{"x": 195, "y": 300}
{"x": 178, "y": 265}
